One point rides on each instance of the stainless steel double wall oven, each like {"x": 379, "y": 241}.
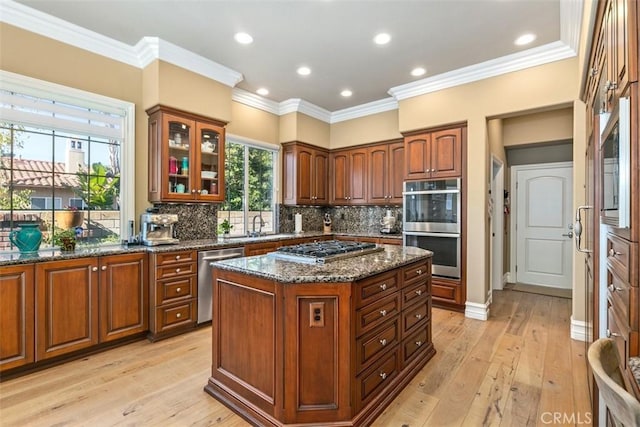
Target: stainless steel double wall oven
{"x": 431, "y": 218}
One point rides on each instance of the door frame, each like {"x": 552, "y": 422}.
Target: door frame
{"x": 513, "y": 241}
{"x": 497, "y": 224}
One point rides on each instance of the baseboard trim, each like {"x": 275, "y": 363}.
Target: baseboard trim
{"x": 579, "y": 330}
{"x": 477, "y": 311}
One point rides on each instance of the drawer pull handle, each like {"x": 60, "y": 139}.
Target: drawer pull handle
{"x": 612, "y": 334}
{"x": 614, "y": 288}
{"x": 418, "y": 271}
{"x": 177, "y": 270}
{"x": 383, "y": 286}
{"x": 418, "y": 316}
{"x": 179, "y": 315}
{"x": 383, "y": 312}
{"x": 419, "y": 292}
{"x": 177, "y": 256}
{"x": 418, "y": 343}
{"x": 383, "y": 375}
{"x": 383, "y": 341}
{"x": 614, "y": 253}
{"x": 178, "y": 290}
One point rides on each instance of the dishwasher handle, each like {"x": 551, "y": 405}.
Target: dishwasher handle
{"x": 221, "y": 257}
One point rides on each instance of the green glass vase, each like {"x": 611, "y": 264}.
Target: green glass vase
{"x": 27, "y": 238}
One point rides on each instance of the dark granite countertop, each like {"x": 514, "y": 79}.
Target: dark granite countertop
{"x": 634, "y": 365}
{"x": 13, "y": 258}
{"x": 345, "y": 270}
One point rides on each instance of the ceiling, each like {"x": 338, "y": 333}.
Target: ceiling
{"x": 332, "y": 37}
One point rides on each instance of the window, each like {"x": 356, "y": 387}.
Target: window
{"x": 57, "y": 145}
{"x": 249, "y": 187}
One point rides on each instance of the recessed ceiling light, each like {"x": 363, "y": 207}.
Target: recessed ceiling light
{"x": 263, "y": 91}
{"x": 525, "y": 39}
{"x": 243, "y": 38}
{"x": 382, "y": 38}
{"x": 304, "y": 71}
{"x": 346, "y": 93}
{"x": 418, "y": 71}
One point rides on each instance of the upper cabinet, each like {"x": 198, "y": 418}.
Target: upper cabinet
{"x": 305, "y": 172}
{"x": 435, "y": 154}
{"x": 386, "y": 173}
{"x": 186, "y": 157}
{"x": 349, "y": 172}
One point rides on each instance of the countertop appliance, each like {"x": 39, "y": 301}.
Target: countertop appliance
{"x": 388, "y": 224}
{"x": 432, "y": 221}
{"x": 323, "y": 252}
{"x": 158, "y": 229}
{"x": 205, "y": 278}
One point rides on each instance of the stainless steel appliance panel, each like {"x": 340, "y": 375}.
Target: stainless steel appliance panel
{"x": 205, "y": 278}
{"x": 445, "y": 248}
{"x": 432, "y": 206}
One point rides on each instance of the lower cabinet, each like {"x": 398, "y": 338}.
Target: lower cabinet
{"x": 16, "y": 316}
{"x": 448, "y": 293}
{"x": 174, "y": 293}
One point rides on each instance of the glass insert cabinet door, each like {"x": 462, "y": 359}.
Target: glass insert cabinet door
{"x": 180, "y": 159}
{"x": 210, "y": 161}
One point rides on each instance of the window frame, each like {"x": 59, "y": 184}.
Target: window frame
{"x": 77, "y": 97}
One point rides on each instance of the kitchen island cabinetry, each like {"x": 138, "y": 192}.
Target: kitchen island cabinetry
{"x": 174, "y": 293}
{"x": 305, "y": 175}
{"x": 322, "y": 344}
{"x": 349, "y": 173}
{"x": 434, "y": 154}
{"x": 186, "y": 157}
{"x": 386, "y": 173}
{"x": 16, "y": 316}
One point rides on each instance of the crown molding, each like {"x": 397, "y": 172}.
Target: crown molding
{"x": 297, "y": 105}
{"x": 571, "y": 22}
{"x": 140, "y": 55}
{"x": 363, "y": 110}
{"x": 256, "y": 101}
{"x": 551, "y": 52}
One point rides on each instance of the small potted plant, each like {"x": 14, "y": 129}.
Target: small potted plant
{"x": 70, "y": 217}
{"x": 66, "y": 239}
{"x": 224, "y": 228}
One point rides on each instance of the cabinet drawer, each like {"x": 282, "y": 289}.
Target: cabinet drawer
{"x": 176, "y": 270}
{"x": 448, "y": 290}
{"x": 176, "y": 315}
{"x": 618, "y": 252}
{"x": 415, "y": 271}
{"x": 375, "y": 342}
{"x": 169, "y": 291}
{"x": 377, "y": 313}
{"x": 414, "y": 292}
{"x": 370, "y": 289}
{"x": 412, "y": 345}
{"x": 412, "y": 316}
{"x": 375, "y": 378}
{"x": 175, "y": 258}
{"x": 619, "y": 335}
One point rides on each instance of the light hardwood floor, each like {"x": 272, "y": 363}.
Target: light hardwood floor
{"x": 517, "y": 369}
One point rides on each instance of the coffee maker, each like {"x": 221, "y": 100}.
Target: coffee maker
{"x": 158, "y": 229}
{"x": 388, "y": 223}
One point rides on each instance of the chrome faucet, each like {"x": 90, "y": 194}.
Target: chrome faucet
{"x": 253, "y": 234}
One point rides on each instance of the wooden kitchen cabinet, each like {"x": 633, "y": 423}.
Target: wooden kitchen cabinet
{"x": 16, "y": 316}
{"x": 186, "y": 157}
{"x": 305, "y": 175}
{"x": 386, "y": 173}
{"x": 349, "y": 173}
{"x": 123, "y": 296}
{"x": 174, "y": 293}
{"x": 436, "y": 154}
{"x": 66, "y": 306}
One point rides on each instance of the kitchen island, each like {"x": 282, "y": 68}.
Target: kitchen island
{"x": 319, "y": 344}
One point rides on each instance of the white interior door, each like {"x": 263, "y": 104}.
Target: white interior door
{"x": 543, "y": 217}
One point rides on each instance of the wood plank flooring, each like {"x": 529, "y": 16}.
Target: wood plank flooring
{"x": 520, "y": 368}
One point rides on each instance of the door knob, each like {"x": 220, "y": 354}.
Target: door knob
{"x": 569, "y": 234}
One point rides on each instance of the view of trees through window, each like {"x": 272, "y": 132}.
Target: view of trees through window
{"x": 249, "y": 177}
{"x": 61, "y": 181}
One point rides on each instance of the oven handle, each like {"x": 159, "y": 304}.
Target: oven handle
{"x": 412, "y": 193}
{"x": 418, "y": 233}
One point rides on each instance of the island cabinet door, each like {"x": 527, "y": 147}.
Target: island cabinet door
{"x": 66, "y": 306}
{"x": 316, "y": 353}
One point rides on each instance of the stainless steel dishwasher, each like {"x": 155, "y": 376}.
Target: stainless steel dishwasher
{"x": 205, "y": 281}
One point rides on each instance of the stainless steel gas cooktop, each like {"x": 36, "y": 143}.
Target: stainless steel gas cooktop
{"x": 326, "y": 251}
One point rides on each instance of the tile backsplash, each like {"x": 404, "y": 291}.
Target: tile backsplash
{"x": 195, "y": 221}
{"x": 345, "y": 219}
